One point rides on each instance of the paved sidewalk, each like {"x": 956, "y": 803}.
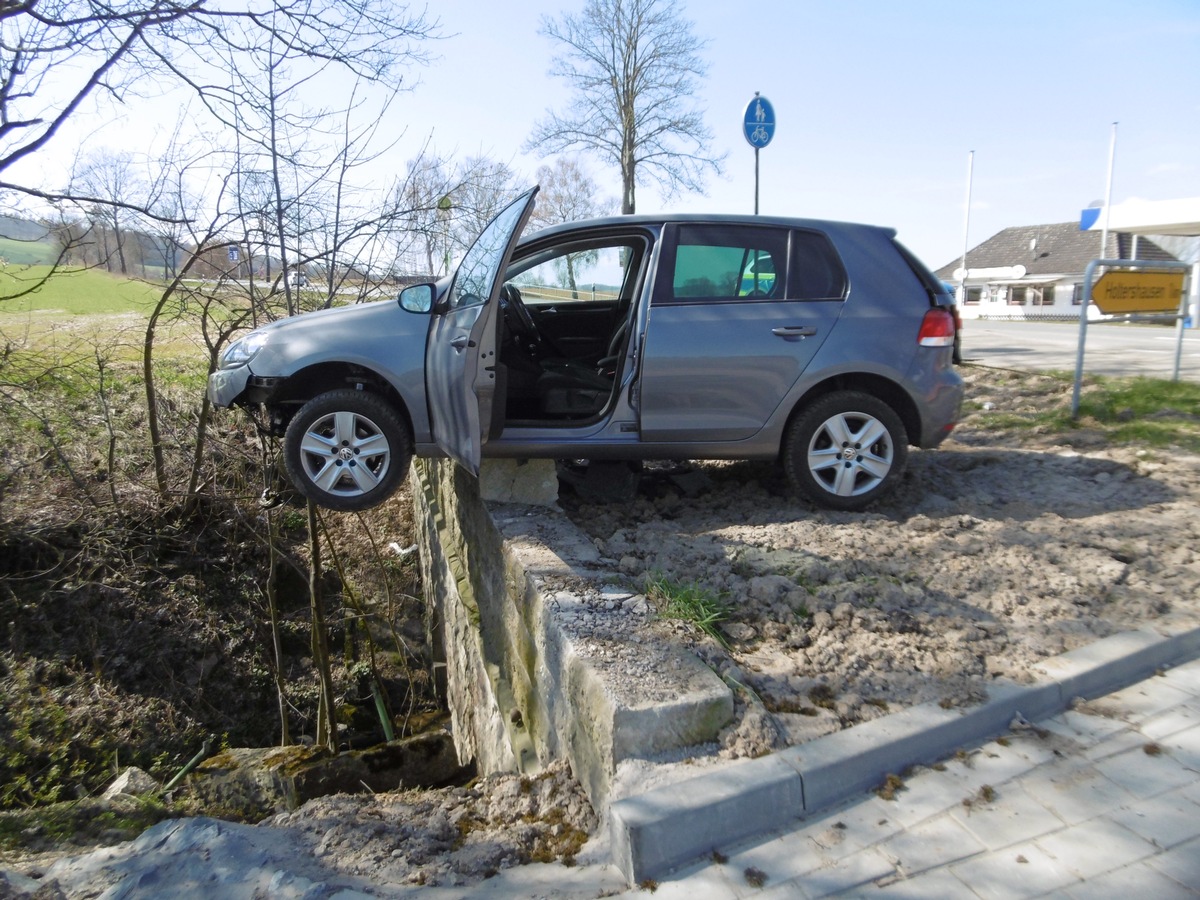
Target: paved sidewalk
{"x": 1100, "y": 801}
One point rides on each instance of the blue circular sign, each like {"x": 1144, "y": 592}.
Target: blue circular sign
{"x": 759, "y": 122}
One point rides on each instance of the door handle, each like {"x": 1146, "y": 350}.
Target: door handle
{"x": 801, "y": 331}
{"x": 460, "y": 342}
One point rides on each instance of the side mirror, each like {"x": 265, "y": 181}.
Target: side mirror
{"x": 417, "y": 298}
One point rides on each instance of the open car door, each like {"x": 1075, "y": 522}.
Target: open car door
{"x": 461, "y": 363}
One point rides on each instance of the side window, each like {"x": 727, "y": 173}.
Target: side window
{"x": 578, "y": 273}
{"x": 720, "y": 262}
{"x": 817, "y": 272}
{"x": 758, "y": 277}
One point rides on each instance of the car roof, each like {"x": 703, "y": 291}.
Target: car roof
{"x": 826, "y": 225}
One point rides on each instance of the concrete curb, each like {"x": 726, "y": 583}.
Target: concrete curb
{"x": 654, "y": 832}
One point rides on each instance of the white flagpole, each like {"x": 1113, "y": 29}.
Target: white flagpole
{"x": 1112, "y": 155}
{"x": 962, "y": 281}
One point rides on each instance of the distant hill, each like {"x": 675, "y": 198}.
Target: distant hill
{"x": 21, "y": 229}
{"x": 25, "y": 243}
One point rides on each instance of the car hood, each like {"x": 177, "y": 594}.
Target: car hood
{"x": 365, "y": 333}
{"x": 358, "y": 315}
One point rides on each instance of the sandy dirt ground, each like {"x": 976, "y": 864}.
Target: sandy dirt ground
{"x": 998, "y": 550}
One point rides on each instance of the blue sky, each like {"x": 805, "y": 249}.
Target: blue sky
{"x": 879, "y": 103}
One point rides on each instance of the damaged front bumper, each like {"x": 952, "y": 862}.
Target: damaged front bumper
{"x": 226, "y": 385}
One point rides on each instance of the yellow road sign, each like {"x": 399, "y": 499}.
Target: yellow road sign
{"x": 1135, "y": 292}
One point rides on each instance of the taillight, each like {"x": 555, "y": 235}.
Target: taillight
{"x": 937, "y": 328}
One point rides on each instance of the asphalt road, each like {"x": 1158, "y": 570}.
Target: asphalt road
{"x": 1111, "y": 348}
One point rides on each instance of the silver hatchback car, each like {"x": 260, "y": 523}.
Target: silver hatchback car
{"x": 825, "y": 345}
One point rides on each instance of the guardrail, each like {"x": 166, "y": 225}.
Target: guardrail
{"x": 546, "y": 293}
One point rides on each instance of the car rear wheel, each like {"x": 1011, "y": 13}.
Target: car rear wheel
{"x": 846, "y": 451}
{"x": 347, "y": 450}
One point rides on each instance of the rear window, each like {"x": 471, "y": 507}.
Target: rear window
{"x": 937, "y": 291}
{"x": 817, "y": 272}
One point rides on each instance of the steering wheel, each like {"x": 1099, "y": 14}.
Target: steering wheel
{"x": 517, "y": 313}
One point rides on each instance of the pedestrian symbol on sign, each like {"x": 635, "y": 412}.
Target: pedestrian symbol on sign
{"x": 759, "y": 122}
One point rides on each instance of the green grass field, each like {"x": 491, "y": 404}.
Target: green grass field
{"x": 73, "y": 291}
{"x": 27, "y": 253}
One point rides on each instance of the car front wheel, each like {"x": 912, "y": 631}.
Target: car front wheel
{"x": 347, "y": 450}
{"x": 846, "y": 451}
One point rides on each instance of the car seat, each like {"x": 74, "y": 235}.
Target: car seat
{"x": 568, "y": 389}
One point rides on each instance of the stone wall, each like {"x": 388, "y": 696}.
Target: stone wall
{"x": 545, "y": 657}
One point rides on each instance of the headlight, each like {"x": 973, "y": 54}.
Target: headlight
{"x": 242, "y": 351}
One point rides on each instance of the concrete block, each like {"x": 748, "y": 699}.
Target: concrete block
{"x": 696, "y": 715}
{"x": 1185, "y": 676}
{"x": 655, "y": 831}
{"x": 1166, "y": 820}
{"x": 1000, "y": 875}
{"x": 1181, "y": 863}
{"x": 1075, "y": 791}
{"x": 1184, "y": 746}
{"x": 1137, "y": 880}
{"x": 1170, "y": 722}
{"x": 941, "y": 841}
{"x": 784, "y": 856}
{"x": 1145, "y": 775}
{"x": 856, "y": 876}
{"x": 1013, "y": 818}
{"x": 1119, "y": 660}
{"x": 532, "y": 481}
{"x": 846, "y": 763}
{"x": 1091, "y": 848}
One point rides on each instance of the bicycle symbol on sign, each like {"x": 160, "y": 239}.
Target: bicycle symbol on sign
{"x": 758, "y": 122}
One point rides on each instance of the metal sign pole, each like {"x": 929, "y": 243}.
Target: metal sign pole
{"x": 1183, "y": 311}
{"x": 756, "y": 181}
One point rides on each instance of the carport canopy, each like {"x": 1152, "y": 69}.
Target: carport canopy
{"x": 1175, "y": 217}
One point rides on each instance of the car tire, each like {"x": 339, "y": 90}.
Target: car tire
{"x": 846, "y": 451}
{"x": 347, "y": 450}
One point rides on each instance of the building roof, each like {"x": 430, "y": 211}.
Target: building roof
{"x": 1050, "y": 250}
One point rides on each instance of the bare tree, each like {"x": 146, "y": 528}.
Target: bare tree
{"x": 426, "y": 200}
{"x": 59, "y": 59}
{"x": 108, "y": 175}
{"x": 172, "y": 200}
{"x": 443, "y": 207}
{"x": 633, "y": 66}
{"x": 485, "y": 186}
{"x": 62, "y": 59}
{"x": 568, "y": 194}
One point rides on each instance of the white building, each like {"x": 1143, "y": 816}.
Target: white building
{"x": 1037, "y": 271}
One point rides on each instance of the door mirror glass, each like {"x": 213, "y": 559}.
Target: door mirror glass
{"x": 417, "y": 298}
